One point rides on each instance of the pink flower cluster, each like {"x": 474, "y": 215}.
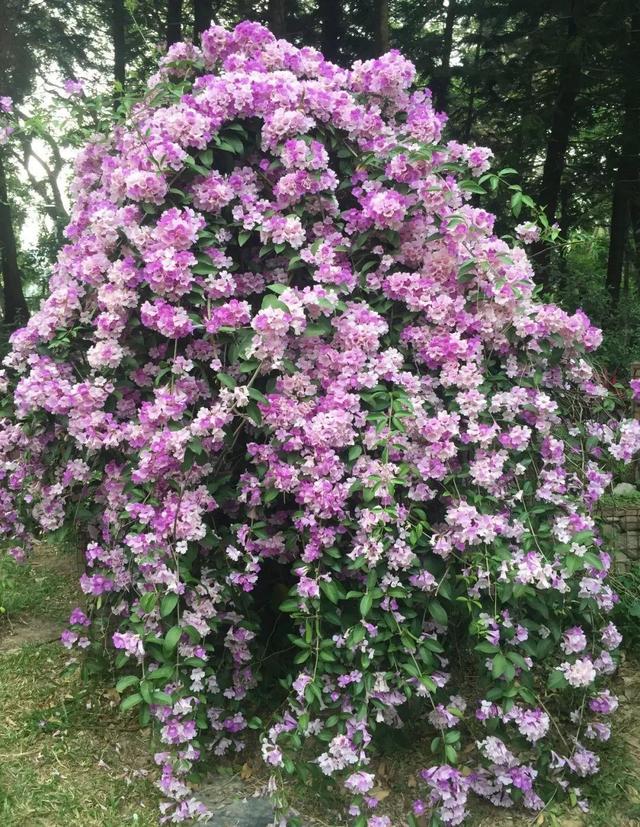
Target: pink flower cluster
{"x": 284, "y": 360}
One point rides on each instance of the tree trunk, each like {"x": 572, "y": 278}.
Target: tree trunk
{"x": 569, "y": 80}
{"x": 202, "y": 14}
{"x": 562, "y": 118}
{"x": 471, "y": 100}
{"x": 330, "y": 21}
{"x": 118, "y": 35}
{"x": 634, "y": 213}
{"x": 277, "y": 17}
{"x": 174, "y": 21}
{"x": 381, "y": 21}
{"x": 442, "y": 77}
{"x": 15, "y": 306}
{"x": 627, "y": 179}
{"x": 565, "y": 215}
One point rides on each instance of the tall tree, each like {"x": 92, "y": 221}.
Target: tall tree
{"x": 627, "y": 177}
{"x": 118, "y": 34}
{"x": 14, "y": 303}
{"x": 17, "y": 67}
{"x": 277, "y": 17}
{"x": 202, "y": 14}
{"x": 381, "y": 23}
{"x": 330, "y": 28}
{"x": 442, "y": 77}
{"x": 381, "y": 26}
{"x": 568, "y": 86}
{"x": 174, "y": 21}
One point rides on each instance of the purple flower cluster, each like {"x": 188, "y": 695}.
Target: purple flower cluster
{"x": 284, "y": 352}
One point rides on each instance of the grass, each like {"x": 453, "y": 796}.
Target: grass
{"x": 68, "y": 756}
{"x": 45, "y": 588}
{"x": 615, "y": 793}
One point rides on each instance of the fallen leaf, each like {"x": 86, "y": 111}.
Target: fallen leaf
{"x": 380, "y": 793}
{"x": 382, "y": 771}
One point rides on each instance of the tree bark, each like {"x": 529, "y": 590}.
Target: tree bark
{"x": 15, "y": 306}
{"x": 569, "y": 81}
{"x": 277, "y": 17}
{"x": 174, "y": 21}
{"x": 635, "y": 234}
{"x": 442, "y": 77}
{"x": 331, "y": 23}
{"x": 473, "y": 86}
{"x": 202, "y": 14}
{"x": 381, "y": 21}
{"x": 118, "y": 35}
{"x": 56, "y": 210}
{"x": 626, "y": 185}
{"x": 562, "y": 119}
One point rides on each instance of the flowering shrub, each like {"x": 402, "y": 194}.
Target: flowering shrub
{"x": 297, "y": 390}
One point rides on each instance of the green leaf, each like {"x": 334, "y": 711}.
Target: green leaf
{"x": 253, "y": 413}
{"x": 171, "y": 639}
{"x": 145, "y": 691}
{"x": 302, "y": 657}
{"x": 161, "y": 698}
{"x": 148, "y": 601}
{"x": 357, "y": 635}
{"x": 272, "y": 301}
{"x": 516, "y": 657}
{"x": 254, "y": 393}
{"x": 168, "y": 604}
{"x": 195, "y": 446}
{"x": 330, "y": 589}
{"x": 227, "y": 380}
{"x": 321, "y": 328}
{"x": 438, "y": 613}
{"x": 466, "y": 271}
{"x": 556, "y": 680}
{"x": 516, "y": 203}
{"x": 126, "y": 682}
{"x": 486, "y": 648}
{"x": 162, "y": 673}
{"x": 289, "y": 606}
{"x": 203, "y": 269}
{"x": 499, "y": 666}
{"x": 131, "y": 701}
{"x": 365, "y": 604}
{"x": 472, "y": 186}
{"x": 411, "y": 669}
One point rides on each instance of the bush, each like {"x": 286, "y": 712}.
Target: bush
{"x": 326, "y": 446}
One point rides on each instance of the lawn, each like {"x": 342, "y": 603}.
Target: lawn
{"x": 67, "y": 755}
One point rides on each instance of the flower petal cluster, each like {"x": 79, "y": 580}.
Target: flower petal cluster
{"x": 296, "y": 394}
